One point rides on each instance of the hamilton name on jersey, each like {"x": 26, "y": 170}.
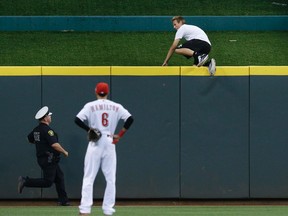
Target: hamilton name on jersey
{"x": 104, "y": 107}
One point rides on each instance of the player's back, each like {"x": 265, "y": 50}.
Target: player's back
{"x": 104, "y": 114}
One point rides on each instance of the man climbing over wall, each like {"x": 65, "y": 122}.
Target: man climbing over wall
{"x": 197, "y": 45}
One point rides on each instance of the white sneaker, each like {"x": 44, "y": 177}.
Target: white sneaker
{"x": 202, "y": 59}
{"x": 212, "y": 67}
{"x": 109, "y": 212}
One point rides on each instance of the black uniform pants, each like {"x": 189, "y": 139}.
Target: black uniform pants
{"x": 52, "y": 173}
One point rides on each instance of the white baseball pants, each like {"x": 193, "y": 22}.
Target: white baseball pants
{"x": 100, "y": 154}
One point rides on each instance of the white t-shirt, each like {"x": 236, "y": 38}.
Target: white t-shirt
{"x": 189, "y": 32}
{"x": 103, "y": 114}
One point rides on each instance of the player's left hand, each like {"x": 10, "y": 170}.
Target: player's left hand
{"x": 94, "y": 135}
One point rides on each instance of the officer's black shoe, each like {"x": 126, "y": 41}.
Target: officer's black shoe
{"x": 21, "y": 182}
{"x": 64, "y": 204}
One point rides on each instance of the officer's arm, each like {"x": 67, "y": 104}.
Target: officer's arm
{"x": 60, "y": 149}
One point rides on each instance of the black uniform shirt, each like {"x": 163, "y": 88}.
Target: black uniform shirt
{"x": 43, "y": 137}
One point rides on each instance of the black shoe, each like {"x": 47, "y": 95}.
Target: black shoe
{"x": 21, "y": 182}
{"x": 64, "y": 204}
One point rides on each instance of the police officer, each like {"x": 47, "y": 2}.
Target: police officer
{"x": 48, "y": 152}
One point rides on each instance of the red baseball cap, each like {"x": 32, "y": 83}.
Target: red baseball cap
{"x": 102, "y": 88}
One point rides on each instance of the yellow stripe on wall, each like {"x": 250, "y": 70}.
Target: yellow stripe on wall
{"x": 20, "y": 71}
{"x": 269, "y": 70}
{"x": 145, "y": 71}
{"x": 76, "y": 71}
{"x": 141, "y": 71}
{"x": 220, "y": 71}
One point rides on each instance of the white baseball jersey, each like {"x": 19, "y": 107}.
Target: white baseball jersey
{"x": 103, "y": 114}
{"x": 189, "y": 32}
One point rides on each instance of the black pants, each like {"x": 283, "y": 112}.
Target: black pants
{"x": 52, "y": 173}
{"x": 198, "y": 46}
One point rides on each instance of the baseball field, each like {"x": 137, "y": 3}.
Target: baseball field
{"x": 141, "y": 49}
{"x": 155, "y": 211}
{"x": 191, "y": 209}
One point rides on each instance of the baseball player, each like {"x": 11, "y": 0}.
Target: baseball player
{"x": 197, "y": 44}
{"x": 104, "y": 115}
{"x": 48, "y": 151}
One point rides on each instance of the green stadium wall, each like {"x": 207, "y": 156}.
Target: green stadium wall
{"x": 194, "y": 136}
{"x": 140, "y": 23}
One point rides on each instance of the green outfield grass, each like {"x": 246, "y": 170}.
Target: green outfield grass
{"x": 152, "y": 211}
{"x": 143, "y": 8}
{"x": 136, "y": 49}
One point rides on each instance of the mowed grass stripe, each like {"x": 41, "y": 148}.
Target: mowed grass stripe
{"x": 136, "y": 49}
{"x": 152, "y": 211}
{"x": 140, "y": 7}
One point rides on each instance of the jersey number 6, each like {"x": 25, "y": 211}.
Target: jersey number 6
{"x": 105, "y": 121}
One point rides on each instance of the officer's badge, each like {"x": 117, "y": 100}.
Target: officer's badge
{"x": 51, "y": 132}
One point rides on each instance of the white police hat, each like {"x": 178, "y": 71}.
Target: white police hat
{"x": 44, "y": 111}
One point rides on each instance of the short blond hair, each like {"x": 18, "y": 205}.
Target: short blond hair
{"x": 178, "y": 19}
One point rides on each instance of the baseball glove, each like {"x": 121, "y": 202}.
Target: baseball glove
{"x": 94, "y": 135}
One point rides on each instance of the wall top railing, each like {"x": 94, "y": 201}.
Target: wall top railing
{"x": 140, "y": 23}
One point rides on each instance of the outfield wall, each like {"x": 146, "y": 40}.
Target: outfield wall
{"x": 194, "y": 136}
